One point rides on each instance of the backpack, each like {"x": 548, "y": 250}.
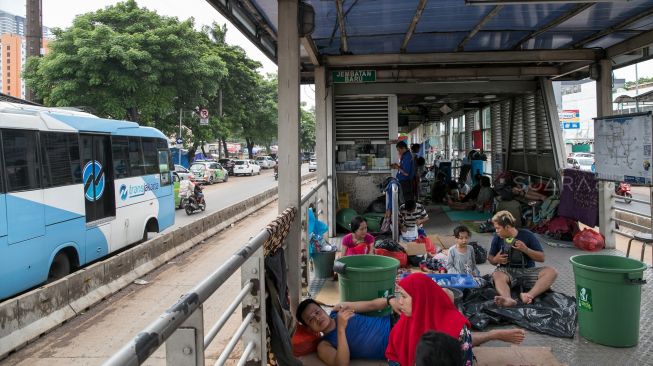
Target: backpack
{"x": 480, "y": 254}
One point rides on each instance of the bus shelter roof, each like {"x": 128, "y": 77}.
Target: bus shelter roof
{"x": 552, "y": 38}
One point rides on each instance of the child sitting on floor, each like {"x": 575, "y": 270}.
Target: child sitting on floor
{"x": 461, "y": 257}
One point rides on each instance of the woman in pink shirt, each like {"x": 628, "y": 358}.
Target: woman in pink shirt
{"x": 359, "y": 241}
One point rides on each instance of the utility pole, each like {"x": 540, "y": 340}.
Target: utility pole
{"x": 182, "y": 144}
{"x": 33, "y": 34}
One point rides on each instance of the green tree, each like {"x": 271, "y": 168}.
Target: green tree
{"x": 262, "y": 127}
{"x": 642, "y": 80}
{"x": 249, "y": 101}
{"x": 307, "y": 129}
{"x": 128, "y": 62}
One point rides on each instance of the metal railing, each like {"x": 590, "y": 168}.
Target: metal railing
{"x": 630, "y": 224}
{"x": 393, "y": 198}
{"x": 181, "y": 327}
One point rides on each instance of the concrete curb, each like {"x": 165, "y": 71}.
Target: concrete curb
{"x": 34, "y": 313}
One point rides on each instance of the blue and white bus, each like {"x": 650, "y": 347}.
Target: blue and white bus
{"x": 73, "y": 189}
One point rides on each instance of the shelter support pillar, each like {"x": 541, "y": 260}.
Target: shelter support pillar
{"x": 603, "y": 109}
{"x": 332, "y": 187}
{"x": 288, "y": 132}
{"x": 322, "y": 152}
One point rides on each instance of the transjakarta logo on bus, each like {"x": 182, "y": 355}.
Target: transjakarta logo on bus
{"x": 93, "y": 178}
{"x": 136, "y": 190}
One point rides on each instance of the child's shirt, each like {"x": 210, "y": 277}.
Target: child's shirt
{"x": 462, "y": 263}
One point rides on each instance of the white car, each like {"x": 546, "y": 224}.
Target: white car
{"x": 182, "y": 172}
{"x": 266, "y": 162}
{"x": 248, "y": 167}
{"x": 312, "y": 165}
{"x": 580, "y": 163}
{"x": 208, "y": 172}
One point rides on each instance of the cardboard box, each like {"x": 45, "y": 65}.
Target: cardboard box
{"x": 443, "y": 241}
{"x": 413, "y": 248}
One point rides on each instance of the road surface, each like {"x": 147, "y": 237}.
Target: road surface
{"x": 236, "y": 189}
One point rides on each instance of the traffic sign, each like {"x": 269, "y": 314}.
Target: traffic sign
{"x": 180, "y": 141}
{"x": 204, "y": 113}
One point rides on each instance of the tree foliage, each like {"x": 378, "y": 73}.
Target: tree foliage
{"x": 307, "y": 129}
{"x": 642, "y": 80}
{"x": 128, "y": 62}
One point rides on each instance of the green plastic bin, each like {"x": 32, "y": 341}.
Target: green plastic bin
{"x": 367, "y": 277}
{"x": 374, "y": 221}
{"x": 608, "y": 297}
{"x": 323, "y": 264}
{"x": 343, "y": 218}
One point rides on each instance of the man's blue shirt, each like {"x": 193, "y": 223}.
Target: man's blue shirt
{"x": 367, "y": 336}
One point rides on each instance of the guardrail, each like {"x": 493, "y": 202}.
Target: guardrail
{"x": 181, "y": 326}
{"x": 638, "y": 221}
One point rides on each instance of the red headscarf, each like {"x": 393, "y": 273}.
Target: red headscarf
{"x": 432, "y": 309}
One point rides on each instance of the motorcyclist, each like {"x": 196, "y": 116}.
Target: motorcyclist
{"x": 199, "y": 195}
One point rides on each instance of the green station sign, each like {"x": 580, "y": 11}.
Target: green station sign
{"x": 354, "y": 76}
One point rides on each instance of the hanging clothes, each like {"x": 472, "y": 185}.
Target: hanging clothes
{"x": 579, "y": 199}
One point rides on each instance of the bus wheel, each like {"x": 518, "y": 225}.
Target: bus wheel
{"x": 60, "y": 267}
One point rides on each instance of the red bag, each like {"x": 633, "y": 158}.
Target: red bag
{"x": 400, "y": 256}
{"x": 589, "y": 240}
{"x": 562, "y": 228}
{"x": 304, "y": 341}
{"x": 361, "y": 248}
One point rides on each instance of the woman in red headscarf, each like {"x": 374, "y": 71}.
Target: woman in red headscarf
{"x": 426, "y": 306}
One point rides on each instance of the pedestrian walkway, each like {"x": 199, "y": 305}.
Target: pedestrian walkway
{"x": 576, "y": 351}
{"x": 92, "y": 337}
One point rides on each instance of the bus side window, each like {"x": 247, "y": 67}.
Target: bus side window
{"x": 60, "y": 159}
{"x": 136, "y": 165}
{"x": 150, "y": 155}
{"x": 164, "y": 167}
{"x": 120, "y": 151}
{"x": 21, "y": 160}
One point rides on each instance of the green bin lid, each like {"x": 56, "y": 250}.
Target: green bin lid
{"x": 607, "y": 263}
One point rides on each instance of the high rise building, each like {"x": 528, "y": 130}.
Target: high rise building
{"x": 13, "y": 53}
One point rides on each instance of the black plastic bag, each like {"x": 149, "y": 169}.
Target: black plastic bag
{"x": 388, "y": 244}
{"x": 551, "y": 313}
{"x": 377, "y": 206}
{"x": 480, "y": 254}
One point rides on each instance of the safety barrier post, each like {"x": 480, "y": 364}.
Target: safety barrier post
{"x": 253, "y": 270}
{"x": 185, "y": 347}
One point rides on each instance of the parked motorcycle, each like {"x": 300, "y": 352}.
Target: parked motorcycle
{"x": 192, "y": 202}
{"x": 623, "y": 190}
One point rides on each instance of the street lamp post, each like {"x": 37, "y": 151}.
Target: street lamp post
{"x": 180, "y": 145}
